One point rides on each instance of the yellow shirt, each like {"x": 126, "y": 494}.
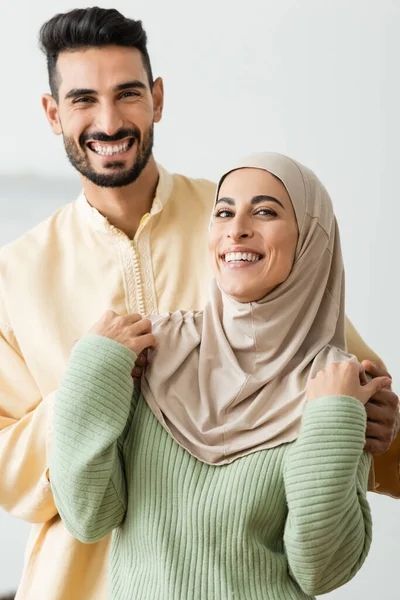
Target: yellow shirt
{"x": 55, "y": 282}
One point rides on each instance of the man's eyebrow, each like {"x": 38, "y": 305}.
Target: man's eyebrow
{"x": 128, "y": 85}
{"x": 255, "y": 200}
{"x": 80, "y": 92}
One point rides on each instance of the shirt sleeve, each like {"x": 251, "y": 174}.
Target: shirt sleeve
{"x": 25, "y": 433}
{"x": 385, "y": 471}
{"x": 328, "y": 529}
{"x": 357, "y": 346}
{"x": 92, "y": 412}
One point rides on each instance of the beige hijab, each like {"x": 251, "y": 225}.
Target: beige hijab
{"x": 230, "y": 380}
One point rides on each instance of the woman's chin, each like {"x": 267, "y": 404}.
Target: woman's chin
{"x": 243, "y": 294}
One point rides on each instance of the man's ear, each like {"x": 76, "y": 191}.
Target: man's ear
{"x": 158, "y": 99}
{"x": 51, "y": 109}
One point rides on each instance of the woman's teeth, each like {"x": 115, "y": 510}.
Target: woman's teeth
{"x": 241, "y": 256}
{"x": 110, "y": 150}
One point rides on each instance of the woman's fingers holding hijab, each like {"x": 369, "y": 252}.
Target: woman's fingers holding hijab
{"x": 131, "y": 331}
{"x": 381, "y": 404}
{"x": 345, "y": 379}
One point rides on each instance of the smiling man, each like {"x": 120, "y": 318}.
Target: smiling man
{"x": 105, "y": 102}
{"x": 115, "y": 156}
{"x": 134, "y": 241}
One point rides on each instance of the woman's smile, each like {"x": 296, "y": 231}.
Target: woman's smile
{"x": 241, "y": 257}
{"x": 253, "y": 236}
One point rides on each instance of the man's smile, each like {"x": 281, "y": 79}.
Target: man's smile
{"x": 111, "y": 148}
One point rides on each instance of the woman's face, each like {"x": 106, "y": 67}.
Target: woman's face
{"x": 253, "y": 236}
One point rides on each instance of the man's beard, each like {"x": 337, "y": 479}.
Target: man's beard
{"x": 119, "y": 178}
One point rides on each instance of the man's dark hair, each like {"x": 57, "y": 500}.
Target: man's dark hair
{"x": 94, "y": 27}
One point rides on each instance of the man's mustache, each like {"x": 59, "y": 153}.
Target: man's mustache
{"x": 99, "y": 136}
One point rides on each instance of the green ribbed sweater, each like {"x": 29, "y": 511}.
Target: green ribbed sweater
{"x": 278, "y": 524}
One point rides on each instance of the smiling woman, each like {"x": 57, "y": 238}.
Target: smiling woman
{"x": 254, "y": 232}
{"x": 252, "y": 411}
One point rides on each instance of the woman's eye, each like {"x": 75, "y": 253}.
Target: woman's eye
{"x": 226, "y": 213}
{"x": 223, "y": 213}
{"x": 266, "y": 212}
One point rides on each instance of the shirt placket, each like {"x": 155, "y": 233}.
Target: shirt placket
{"x": 135, "y": 256}
{"x": 141, "y": 302}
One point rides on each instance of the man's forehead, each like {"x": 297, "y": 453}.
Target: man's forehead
{"x": 100, "y": 68}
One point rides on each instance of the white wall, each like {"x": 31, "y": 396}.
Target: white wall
{"x": 317, "y": 79}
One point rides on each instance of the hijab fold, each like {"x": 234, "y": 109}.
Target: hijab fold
{"x": 231, "y": 379}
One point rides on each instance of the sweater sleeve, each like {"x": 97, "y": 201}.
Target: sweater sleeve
{"x": 92, "y": 411}
{"x": 328, "y": 529}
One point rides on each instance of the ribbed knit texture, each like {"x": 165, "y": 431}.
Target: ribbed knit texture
{"x": 280, "y": 524}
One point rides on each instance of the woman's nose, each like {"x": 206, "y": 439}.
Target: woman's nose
{"x": 239, "y": 230}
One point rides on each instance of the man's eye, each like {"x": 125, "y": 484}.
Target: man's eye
{"x": 130, "y": 94}
{"x": 83, "y": 100}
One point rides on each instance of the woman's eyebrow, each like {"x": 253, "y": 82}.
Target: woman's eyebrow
{"x": 263, "y": 198}
{"x": 255, "y": 200}
{"x": 229, "y": 201}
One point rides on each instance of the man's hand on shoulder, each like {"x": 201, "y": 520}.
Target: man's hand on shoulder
{"x": 383, "y": 416}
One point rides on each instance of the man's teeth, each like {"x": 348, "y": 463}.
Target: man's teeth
{"x": 110, "y": 150}
{"x": 239, "y": 256}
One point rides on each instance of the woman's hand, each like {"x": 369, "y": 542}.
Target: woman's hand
{"x": 345, "y": 379}
{"x": 131, "y": 331}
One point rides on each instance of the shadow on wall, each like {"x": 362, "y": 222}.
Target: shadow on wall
{"x": 10, "y": 596}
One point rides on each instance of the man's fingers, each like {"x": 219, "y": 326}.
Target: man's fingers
{"x": 141, "y": 360}
{"x": 375, "y": 446}
{"x": 384, "y": 399}
{"x": 375, "y": 412}
{"x": 140, "y": 364}
{"x": 374, "y": 369}
{"x": 376, "y": 385}
{"x": 376, "y": 430}
{"x": 137, "y": 372}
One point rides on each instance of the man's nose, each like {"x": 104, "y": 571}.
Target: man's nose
{"x": 109, "y": 120}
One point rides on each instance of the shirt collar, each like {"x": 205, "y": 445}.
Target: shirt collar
{"x": 100, "y": 223}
